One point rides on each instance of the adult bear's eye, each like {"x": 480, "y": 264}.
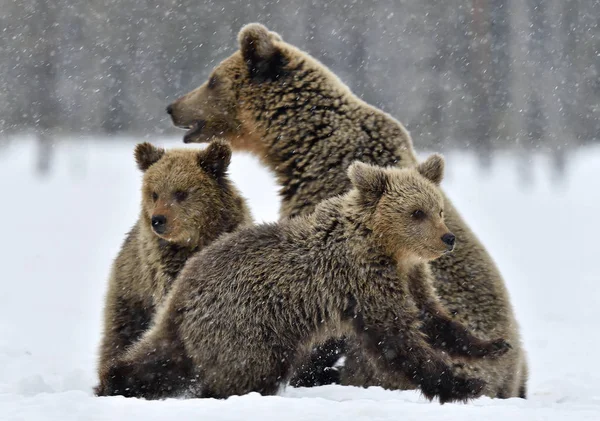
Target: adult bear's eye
{"x": 212, "y": 82}
{"x": 418, "y": 215}
{"x": 180, "y": 195}
{"x": 154, "y": 196}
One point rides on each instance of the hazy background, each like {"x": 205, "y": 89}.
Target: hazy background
{"x": 481, "y": 74}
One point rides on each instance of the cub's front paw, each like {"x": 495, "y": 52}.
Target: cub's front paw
{"x": 451, "y": 388}
{"x": 461, "y": 389}
{"x": 116, "y": 381}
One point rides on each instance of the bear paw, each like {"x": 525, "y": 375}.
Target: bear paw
{"x": 451, "y": 388}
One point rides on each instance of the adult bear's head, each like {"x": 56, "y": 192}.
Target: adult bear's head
{"x": 255, "y": 87}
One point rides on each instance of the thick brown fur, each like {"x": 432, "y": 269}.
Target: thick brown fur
{"x": 306, "y": 126}
{"x": 245, "y": 308}
{"x": 191, "y": 190}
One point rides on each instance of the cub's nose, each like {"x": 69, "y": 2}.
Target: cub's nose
{"x": 159, "y": 224}
{"x": 170, "y": 109}
{"x": 449, "y": 239}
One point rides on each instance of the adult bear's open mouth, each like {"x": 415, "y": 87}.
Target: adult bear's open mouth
{"x": 193, "y": 131}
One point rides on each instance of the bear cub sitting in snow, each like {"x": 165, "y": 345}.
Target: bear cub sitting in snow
{"x": 187, "y": 202}
{"x": 245, "y": 308}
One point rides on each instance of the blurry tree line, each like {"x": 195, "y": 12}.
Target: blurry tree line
{"x": 477, "y": 74}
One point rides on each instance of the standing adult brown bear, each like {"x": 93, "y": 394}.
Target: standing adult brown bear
{"x": 187, "y": 203}
{"x": 278, "y": 102}
{"x": 247, "y": 306}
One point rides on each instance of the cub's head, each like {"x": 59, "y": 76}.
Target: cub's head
{"x": 244, "y": 89}
{"x": 185, "y": 192}
{"x": 404, "y": 208}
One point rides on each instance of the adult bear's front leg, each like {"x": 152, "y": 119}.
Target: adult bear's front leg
{"x": 441, "y": 330}
{"x": 395, "y": 341}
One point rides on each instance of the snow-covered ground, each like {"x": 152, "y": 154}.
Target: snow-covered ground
{"x": 61, "y": 233}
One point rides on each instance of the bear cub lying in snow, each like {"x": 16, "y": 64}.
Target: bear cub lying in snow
{"x": 245, "y": 308}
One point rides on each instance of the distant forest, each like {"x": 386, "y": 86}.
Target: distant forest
{"x": 479, "y": 74}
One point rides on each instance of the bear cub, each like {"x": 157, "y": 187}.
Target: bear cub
{"x": 247, "y": 307}
{"x": 187, "y": 202}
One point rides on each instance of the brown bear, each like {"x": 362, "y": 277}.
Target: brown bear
{"x": 245, "y": 308}
{"x": 187, "y": 202}
{"x": 278, "y": 102}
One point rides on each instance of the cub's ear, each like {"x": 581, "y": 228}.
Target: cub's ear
{"x": 369, "y": 180}
{"x": 264, "y": 59}
{"x": 432, "y": 168}
{"x": 147, "y": 154}
{"x": 215, "y": 158}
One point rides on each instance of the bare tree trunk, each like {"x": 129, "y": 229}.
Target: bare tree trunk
{"x": 359, "y": 58}
{"x": 45, "y": 154}
{"x": 116, "y": 115}
{"x": 499, "y": 67}
{"x": 553, "y": 78}
{"x": 520, "y": 74}
{"x": 437, "y": 97}
{"x": 480, "y": 62}
{"x": 45, "y": 106}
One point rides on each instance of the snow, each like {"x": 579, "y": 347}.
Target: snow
{"x": 62, "y": 232}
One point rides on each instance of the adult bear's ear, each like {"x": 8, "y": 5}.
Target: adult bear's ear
{"x": 369, "y": 180}
{"x": 264, "y": 59}
{"x": 432, "y": 168}
{"x": 147, "y": 154}
{"x": 215, "y": 158}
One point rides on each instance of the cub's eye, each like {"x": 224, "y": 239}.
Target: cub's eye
{"x": 213, "y": 82}
{"x": 154, "y": 196}
{"x": 180, "y": 195}
{"x": 418, "y": 215}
